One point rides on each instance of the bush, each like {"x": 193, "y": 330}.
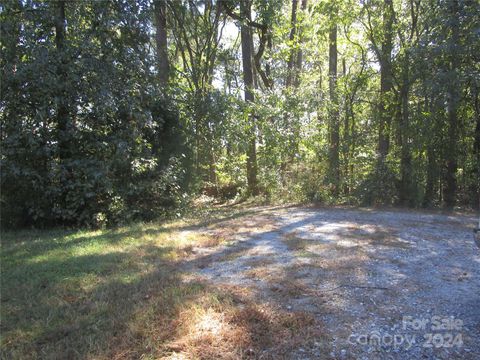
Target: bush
{"x": 136, "y": 175}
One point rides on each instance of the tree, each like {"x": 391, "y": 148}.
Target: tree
{"x": 160, "y": 10}
{"x": 197, "y": 29}
{"x": 247, "y": 41}
{"x": 64, "y": 123}
{"x": 408, "y": 31}
{"x": 334, "y": 124}
{"x": 291, "y": 64}
{"x": 452, "y": 105}
{"x": 107, "y": 104}
{"x": 386, "y": 81}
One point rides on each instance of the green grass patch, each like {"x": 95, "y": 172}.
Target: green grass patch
{"x": 77, "y": 294}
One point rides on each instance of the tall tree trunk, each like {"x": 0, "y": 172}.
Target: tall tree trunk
{"x": 293, "y": 80}
{"x": 291, "y": 38}
{"x": 476, "y": 144}
{"x": 405, "y": 191}
{"x": 433, "y": 178}
{"x": 352, "y": 146}
{"x": 163, "y": 66}
{"x": 334, "y": 164}
{"x": 346, "y": 134}
{"x": 386, "y": 83}
{"x": 450, "y": 180}
{"x": 63, "y": 120}
{"x": 246, "y": 38}
{"x": 268, "y": 70}
{"x": 291, "y": 146}
{"x": 299, "y": 60}
{"x": 264, "y": 39}
{"x": 212, "y": 167}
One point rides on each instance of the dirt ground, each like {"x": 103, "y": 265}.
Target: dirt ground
{"x": 380, "y": 284}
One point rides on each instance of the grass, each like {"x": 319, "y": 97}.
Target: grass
{"x": 121, "y": 294}
{"x": 72, "y": 293}
{"x": 375, "y": 235}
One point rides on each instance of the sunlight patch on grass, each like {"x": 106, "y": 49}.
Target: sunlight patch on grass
{"x": 72, "y": 294}
{"x": 236, "y": 327}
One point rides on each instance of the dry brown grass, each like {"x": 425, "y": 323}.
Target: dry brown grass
{"x": 194, "y": 320}
{"x": 238, "y": 328}
{"x": 375, "y": 235}
{"x": 290, "y": 288}
{"x": 262, "y": 273}
{"x": 230, "y": 228}
{"x": 259, "y": 262}
{"x": 194, "y": 240}
{"x": 233, "y": 254}
{"x": 209, "y": 240}
{"x": 261, "y": 269}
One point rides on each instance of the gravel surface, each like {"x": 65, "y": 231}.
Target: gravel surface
{"x": 384, "y": 284}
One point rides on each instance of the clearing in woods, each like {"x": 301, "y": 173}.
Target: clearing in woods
{"x": 263, "y": 282}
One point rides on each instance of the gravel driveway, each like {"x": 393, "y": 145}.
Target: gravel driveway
{"x": 383, "y": 284}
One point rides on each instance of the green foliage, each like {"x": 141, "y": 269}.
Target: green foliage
{"x": 89, "y": 137}
{"x": 121, "y": 156}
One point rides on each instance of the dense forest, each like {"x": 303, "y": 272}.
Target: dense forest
{"x": 113, "y": 111}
